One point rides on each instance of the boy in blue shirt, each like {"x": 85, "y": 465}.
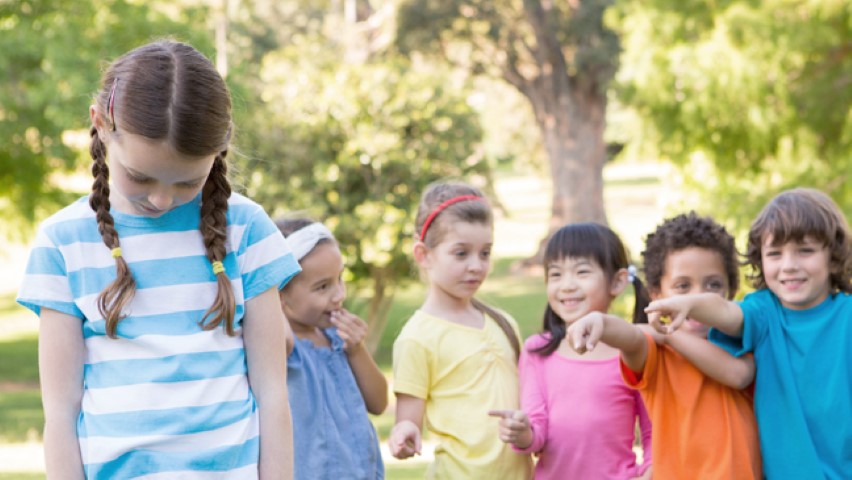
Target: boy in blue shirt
{"x": 799, "y": 325}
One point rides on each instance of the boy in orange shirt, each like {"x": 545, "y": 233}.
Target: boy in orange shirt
{"x": 702, "y": 418}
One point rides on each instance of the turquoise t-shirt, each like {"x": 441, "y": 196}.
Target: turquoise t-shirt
{"x": 803, "y": 385}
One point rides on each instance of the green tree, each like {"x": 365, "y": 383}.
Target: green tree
{"x": 746, "y": 98}
{"x": 53, "y": 53}
{"x": 352, "y": 138}
{"x": 559, "y": 55}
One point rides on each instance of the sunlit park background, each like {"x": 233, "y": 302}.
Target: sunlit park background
{"x": 619, "y": 111}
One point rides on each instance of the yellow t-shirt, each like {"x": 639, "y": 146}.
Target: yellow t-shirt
{"x": 462, "y": 373}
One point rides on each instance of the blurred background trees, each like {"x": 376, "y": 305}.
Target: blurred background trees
{"x": 346, "y": 109}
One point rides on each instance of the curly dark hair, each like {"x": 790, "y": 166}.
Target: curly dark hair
{"x": 685, "y": 231}
{"x": 791, "y": 216}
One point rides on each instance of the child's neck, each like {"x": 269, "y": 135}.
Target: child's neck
{"x": 460, "y": 311}
{"x": 314, "y": 334}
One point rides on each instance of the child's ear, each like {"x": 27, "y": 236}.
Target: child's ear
{"x": 421, "y": 254}
{"x": 619, "y": 282}
{"x": 97, "y": 120}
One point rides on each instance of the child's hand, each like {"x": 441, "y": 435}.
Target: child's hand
{"x": 674, "y": 308}
{"x": 584, "y": 334}
{"x": 514, "y": 427}
{"x": 404, "y": 440}
{"x": 351, "y": 329}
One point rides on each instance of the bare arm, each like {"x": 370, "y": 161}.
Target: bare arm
{"x": 584, "y": 334}
{"x": 265, "y": 342}
{"x": 60, "y": 357}
{"x": 716, "y": 363}
{"x": 371, "y": 381}
{"x": 404, "y": 440}
{"x": 707, "y": 308}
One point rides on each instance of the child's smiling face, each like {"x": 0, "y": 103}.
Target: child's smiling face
{"x": 797, "y": 272}
{"x": 693, "y": 270}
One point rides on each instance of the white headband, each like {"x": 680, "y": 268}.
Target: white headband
{"x": 303, "y": 240}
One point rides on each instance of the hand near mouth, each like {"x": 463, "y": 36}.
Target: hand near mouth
{"x": 351, "y": 329}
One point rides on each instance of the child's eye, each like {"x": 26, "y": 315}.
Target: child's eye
{"x": 681, "y": 286}
{"x": 584, "y": 271}
{"x": 460, "y": 254}
{"x": 553, "y": 274}
{"x": 772, "y": 253}
{"x": 486, "y": 254}
{"x": 715, "y": 286}
{"x": 137, "y": 179}
{"x": 190, "y": 185}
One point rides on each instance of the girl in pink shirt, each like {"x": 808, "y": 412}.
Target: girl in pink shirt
{"x": 576, "y": 413}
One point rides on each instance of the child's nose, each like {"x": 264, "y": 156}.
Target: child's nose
{"x": 339, "y": 294}
{"x": 160, "y": 199}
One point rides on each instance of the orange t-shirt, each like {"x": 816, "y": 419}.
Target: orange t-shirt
{"x": 699, "y": 427}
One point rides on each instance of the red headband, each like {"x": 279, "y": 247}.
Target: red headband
{"x": 439, "y": 208}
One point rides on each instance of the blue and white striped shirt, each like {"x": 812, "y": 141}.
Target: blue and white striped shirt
{"x": 165, "y": 399}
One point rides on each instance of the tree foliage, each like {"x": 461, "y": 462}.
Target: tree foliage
{"x": 354, "y": 143}
{"x": 53, "y": 54}
{"x": 747, "y": 98}
{"x": 560, "y": 56}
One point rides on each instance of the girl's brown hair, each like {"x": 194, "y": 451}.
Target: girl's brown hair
{"x": 467, "y": 211}
{"x": 166, "y": 91}
{"x": 790, "y": 217}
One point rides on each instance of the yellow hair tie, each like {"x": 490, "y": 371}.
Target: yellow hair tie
{"x": 116, "y": 252}
{"x": 218, "y": 268}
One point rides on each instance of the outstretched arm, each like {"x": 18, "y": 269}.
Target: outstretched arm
{"x": 371, "y": 381}
{"x": 707, "y": 308}
{"x": 404, "y": 440}
{"x": 584, "y": 334}
{"x": 716, "y": 363}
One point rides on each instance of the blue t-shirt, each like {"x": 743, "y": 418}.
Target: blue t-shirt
{"x": 803, "y": 385}
{"x": 333, "y": 438}
{"x": 166, "y": 399}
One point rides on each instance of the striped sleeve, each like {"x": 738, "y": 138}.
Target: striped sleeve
{"x": 45, "y": 283}
{"x": 264, "y": 256}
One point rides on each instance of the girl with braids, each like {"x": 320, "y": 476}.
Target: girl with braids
{"x": 696, "y": 393}
{"x": 576, "y": 413}
{"x": 456, "y": 358}
{"x": 162, "y": 342}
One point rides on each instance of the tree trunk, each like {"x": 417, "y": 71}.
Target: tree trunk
{"x": 571, "y": 113}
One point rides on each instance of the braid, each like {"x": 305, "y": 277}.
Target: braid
{"x": 214, "y": 230}
{"x": 113, "y": 299}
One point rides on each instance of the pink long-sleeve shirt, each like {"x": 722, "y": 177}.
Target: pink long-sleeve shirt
{"x": 583, "y": 416}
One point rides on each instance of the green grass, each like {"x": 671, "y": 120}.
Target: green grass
{"x": 19, "y": 358}
{"x": 21, "y": 416}
{"x": 398, "y": 471}
{"x": 40, "y": 476}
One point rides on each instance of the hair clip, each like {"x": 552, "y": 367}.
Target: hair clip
{"x": 631, "y": 273}
{"x": 111, "y": 105}
{"x": 218, "y": 267}
{"x": 116, "y": 252}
